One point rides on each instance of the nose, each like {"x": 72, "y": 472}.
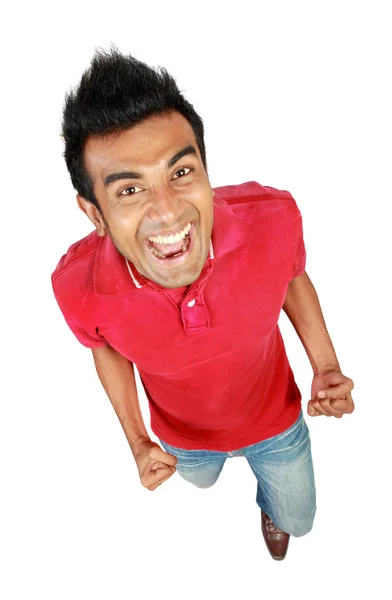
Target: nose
{"x": 166, "y": 207}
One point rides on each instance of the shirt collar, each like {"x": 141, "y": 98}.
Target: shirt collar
{"x": 113, "y": 274}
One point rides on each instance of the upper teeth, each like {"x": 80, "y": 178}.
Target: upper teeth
{"x": 170, "y": 239}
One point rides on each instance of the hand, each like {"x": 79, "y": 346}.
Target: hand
{"x": 154, "y": 464}
{"x": 337, "y": 398}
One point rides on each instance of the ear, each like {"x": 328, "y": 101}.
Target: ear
{"x": 93, "y": 214}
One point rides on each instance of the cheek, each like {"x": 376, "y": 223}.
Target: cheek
{"x": 125, "y": 222}
{"x": 207, "y": 211}
{"x": 204, "y": 204}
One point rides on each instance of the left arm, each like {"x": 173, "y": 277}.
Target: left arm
{"x": 304, "y": 311}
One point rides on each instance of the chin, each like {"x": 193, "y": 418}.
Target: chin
{"x": 179, "y": 281}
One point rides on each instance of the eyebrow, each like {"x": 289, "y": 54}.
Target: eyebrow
{"x": 190, "y": 149}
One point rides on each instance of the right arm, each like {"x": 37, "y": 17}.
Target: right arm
{"x": 118, "y": 380}
{"x": 117, "y": 376}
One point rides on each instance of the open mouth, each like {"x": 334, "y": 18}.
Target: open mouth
{"x": 170, "y": 248}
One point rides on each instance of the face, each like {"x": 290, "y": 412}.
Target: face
{"x": 155, "y": 196}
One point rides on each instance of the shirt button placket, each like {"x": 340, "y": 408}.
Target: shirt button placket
{"x": 194, "y": 314}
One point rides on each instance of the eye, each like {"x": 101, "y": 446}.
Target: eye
{"x": 182, "y": 170}
{"x": 127, "y": 191}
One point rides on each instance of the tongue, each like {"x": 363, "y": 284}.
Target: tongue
{"x": 168, "y": 249}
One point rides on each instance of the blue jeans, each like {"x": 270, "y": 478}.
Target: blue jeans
{"x": 283, "y": 468}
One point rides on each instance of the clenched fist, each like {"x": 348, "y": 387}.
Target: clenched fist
{"x": 331, "y": 394}
{"x": 154, "y": 464}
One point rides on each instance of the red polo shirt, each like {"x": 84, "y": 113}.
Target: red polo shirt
{"x": 210, "y": 355}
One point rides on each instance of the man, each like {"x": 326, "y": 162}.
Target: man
{"x": 187, "y": 283}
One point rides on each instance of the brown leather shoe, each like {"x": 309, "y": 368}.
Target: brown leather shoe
{"x": 276, "y": 540}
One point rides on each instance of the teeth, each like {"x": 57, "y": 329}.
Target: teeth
{"x": 159, "y": 254}
{"x": 164, "y": 239}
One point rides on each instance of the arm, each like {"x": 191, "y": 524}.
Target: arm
{"x": 118, "y": 379}
{"x": 304, "y": 311}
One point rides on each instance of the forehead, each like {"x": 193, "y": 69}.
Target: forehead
{"x": 154, "y": 140}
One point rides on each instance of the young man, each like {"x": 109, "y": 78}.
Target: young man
{"x": 187, "y": 283}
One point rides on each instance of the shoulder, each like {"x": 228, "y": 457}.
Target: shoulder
{"x": 79, "y": 253}
{"x": 73, "y": 274}
{"x": 251, "y": 199}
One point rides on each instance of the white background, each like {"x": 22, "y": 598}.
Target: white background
{"x": 295, "y": 95}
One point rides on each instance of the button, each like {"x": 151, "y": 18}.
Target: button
{"x": 191, "y": 303}
{"x": 230, "y": 454}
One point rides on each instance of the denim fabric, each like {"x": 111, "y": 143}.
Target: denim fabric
{"x": 283, "y": 468}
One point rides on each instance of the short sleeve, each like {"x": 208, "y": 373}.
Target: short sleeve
{"x": 299, "y": 248}
{"x": 87, "y": 336}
